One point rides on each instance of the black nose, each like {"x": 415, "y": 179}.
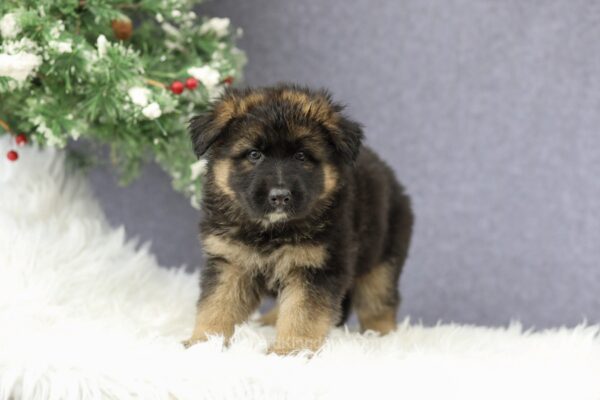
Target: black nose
{"x": 279, "y": 197}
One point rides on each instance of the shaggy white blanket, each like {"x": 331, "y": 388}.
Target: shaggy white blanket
{"x": 86, "y": 314}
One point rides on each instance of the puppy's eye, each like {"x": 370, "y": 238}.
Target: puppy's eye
{"x": 254, "y": 155}
{"x": 300, "y": 156}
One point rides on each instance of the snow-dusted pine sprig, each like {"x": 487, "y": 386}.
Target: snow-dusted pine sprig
{"x": 82, "y": 69}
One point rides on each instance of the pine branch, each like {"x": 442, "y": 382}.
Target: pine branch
{"x": 81, "y": 81}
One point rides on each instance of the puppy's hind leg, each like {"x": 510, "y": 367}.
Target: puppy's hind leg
{"x": 376, "y": 296}
{"x": 376, "y": 299}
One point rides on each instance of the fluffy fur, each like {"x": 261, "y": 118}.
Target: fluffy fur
{"x": 295, "y": 207}
{"x": 84, "y": 314}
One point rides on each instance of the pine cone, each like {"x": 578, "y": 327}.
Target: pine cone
{"x": 123, "y": 28}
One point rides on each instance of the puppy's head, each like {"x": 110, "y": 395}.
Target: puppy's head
{"x": 277, "y": 152}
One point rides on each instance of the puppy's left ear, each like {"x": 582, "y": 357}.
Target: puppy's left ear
{"x": 347, "y": 137}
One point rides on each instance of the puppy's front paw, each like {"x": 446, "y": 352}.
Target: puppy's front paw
{"x": 280, "y": 351}
{"x": 289, "y": 346}
{"x": 192, "y": 341}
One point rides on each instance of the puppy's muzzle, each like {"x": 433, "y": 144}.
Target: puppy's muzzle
{"x": 280, "y": 198}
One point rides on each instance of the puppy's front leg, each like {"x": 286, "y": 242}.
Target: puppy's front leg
{"x": 305, "y": 316}
{"x": 228, "y": 296}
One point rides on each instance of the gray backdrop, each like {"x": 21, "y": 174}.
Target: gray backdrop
{"x": 487, "y": 110}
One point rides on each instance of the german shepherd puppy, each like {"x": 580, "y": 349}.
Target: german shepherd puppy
{"x": 295, "y": 207}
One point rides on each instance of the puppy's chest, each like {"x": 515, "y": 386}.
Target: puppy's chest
{"x": 275, "y": 262}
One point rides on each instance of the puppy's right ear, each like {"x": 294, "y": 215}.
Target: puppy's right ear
{"x": 206, "y": 128}
{"x": 204, "y": 131}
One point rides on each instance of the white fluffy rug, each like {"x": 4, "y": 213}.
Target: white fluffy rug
{"x": 85, "y": 314}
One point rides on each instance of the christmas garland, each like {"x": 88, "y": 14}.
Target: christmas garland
{"x": 72, "y": 70}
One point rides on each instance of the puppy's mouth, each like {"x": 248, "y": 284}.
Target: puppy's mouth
{"x": 276, "y": 216}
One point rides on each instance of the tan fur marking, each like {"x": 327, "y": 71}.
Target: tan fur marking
{"x": 249, "y": 101}
{"x": 231, "y": 107}
{"x": 330, "y": 179}
{"x": 276, "y": 265}
{"x": 279, "y": 262}
{"x": 231, "y": 302}
{"x": 223, "y": 113}
{"x": 300, "y": 132}
{"x": 296, "y": 97}
{"x": 310, "y": 140}
{"x": 371, "y": 299}
{"x": 331, "y": 122}
{"x": 317, "y": 108}
{"x": 301, "y": 323}
{"x": 221, "y": 170}
{"x": 316, "y": 148}
{"x": 241, "y": 145}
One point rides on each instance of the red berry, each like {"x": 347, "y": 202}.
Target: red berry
{"x": 191, "y": 83}
{"x": 177, "y": 87}
{"x": 12, "y": 155}
{"x": 21, "y": 139}
{"x": 228, "y": 80}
